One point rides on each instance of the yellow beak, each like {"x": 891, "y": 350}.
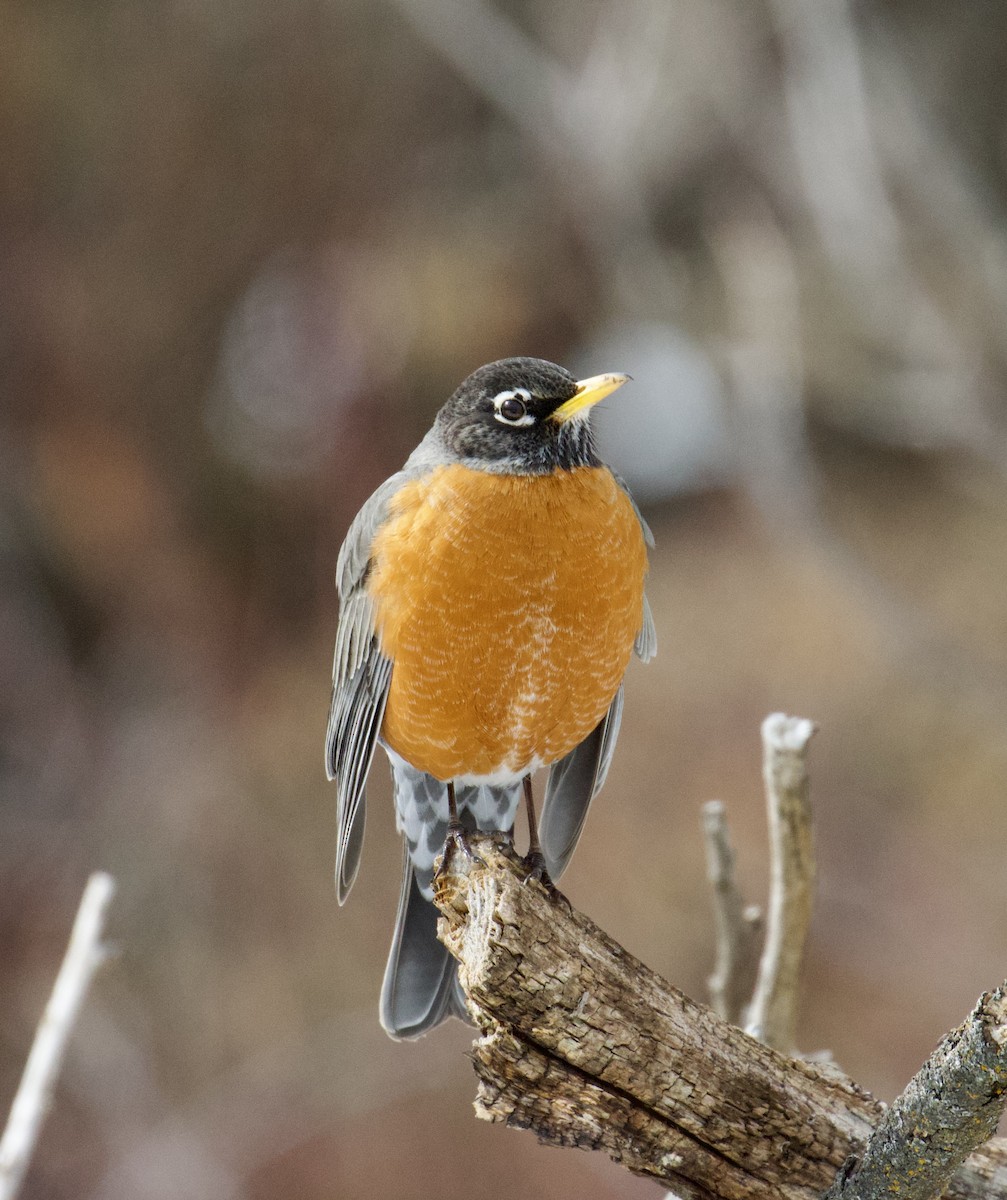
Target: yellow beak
{"x": 588, "y": 393}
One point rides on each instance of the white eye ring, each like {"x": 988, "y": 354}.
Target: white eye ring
{"x": 522, "y": 417}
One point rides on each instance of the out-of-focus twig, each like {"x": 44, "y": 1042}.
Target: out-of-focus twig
{"x": 950, "y": 1107}
{"x": 773, "y": 1014}
{"x": 738, "y": 927}
{"x": 832, "y": 124}
{"x": 586, "y": 123}
{"x": 832, "y": 139}
{"x": 930, "y": 167}
{"x": 85, "y": 954}
{"x": 764, "y": 362}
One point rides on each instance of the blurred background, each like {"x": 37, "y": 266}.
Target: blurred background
{"x": 247, "y": 250}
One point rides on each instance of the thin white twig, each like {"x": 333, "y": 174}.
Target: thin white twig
{"x": 84, "y": 955}
{"x": 738, "y": 926}
{"x": 773, "y": 1014}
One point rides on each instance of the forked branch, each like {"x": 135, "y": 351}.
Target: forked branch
{"x": 588, "y": 1047}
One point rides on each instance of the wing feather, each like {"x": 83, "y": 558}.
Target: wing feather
{"x": 648, "y": 533}
{"x": 575, "y": 780}
{"x": 354, "y": 724}
{"x": 646, "y": 640}
{"x": 355, "y": 552}
{"x": 361, "y": 675}
{"x": 573, "y": 783}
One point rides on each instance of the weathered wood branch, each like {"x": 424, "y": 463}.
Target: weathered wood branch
{"x": 951, "y": 1106}
{"x": 772, "y": 1017}
{"x": 587, "y": 1046}
{"x": 739, "y": 926}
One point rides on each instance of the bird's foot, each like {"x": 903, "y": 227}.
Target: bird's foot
{"x": 534, "y": 861}
{"x": 456, "y": 841}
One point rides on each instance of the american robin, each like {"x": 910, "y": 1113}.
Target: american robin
{"x": 491, "y": 595}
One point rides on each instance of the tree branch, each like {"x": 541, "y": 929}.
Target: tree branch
{"x": 952, "y": 1105}
{"x": 84, "y": 955}
{"x": 772, "y": 1017}
{"x": 588, "y": 1047}
{"x": 738, "y": 927}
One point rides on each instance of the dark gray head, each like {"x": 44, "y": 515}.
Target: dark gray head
{"x": 523, "y": 416}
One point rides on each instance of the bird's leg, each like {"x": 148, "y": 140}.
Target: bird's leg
{"x": 534, "y": 846}
{"x": 535, "y": 859}
{"x": 456, "y": 837}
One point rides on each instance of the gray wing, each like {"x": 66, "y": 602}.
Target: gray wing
{"x": 360, "y": 678}
{"x": 648, "y": 533}
{"x": 646, "y": 640}
{"x": 573, "y": 783}
{"x": 576, "y": 779}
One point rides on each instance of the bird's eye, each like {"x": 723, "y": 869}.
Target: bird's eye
{"x": 511, "y": 408}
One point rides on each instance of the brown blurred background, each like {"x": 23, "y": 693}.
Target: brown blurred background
{"x": 246, "y": 252}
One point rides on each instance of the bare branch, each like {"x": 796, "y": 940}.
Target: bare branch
{"x": 773, "y": 1014}
{"x": 84, "y": 955}
{"x": 588, "y": 1047}
{"x": 738, "y": 928}
{"x": 951, "y": 1106}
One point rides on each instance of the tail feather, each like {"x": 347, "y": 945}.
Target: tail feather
{"x": 420, "y": 988}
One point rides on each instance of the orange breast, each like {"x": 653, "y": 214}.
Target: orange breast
{"x": 509, "y": 606}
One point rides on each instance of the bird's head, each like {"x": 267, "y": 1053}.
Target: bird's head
{"x": 523, "y": 416}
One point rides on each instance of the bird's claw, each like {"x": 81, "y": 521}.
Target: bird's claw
{"x": 456, "y": 841}
{"x": 534, "y": 861}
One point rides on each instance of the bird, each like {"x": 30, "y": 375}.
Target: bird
{"x": 491, "y": 598}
